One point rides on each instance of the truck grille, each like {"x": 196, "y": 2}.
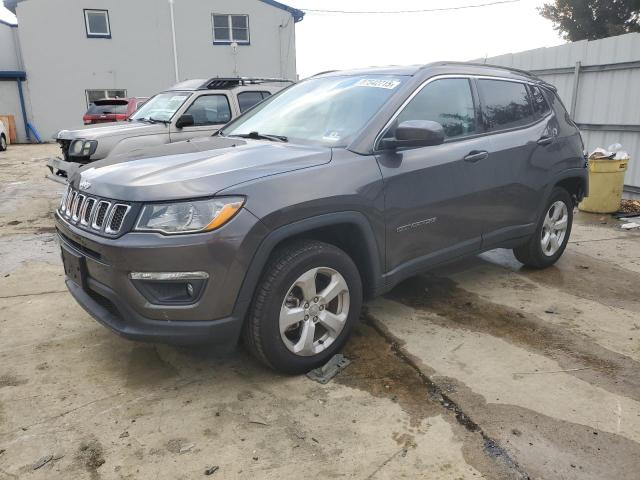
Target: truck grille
{"x": 93, "y": 213}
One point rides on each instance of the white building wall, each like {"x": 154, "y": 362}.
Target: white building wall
{"x": 62, "y": 63}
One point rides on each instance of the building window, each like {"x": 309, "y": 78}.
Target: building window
{"x": 230, "y": 28}
{"x": 97, "y": 23}
{"x": 93, "y": 95}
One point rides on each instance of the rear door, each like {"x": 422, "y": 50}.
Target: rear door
{"x": 434, "y": 196}
{"x": 210, "y": 112}
{"x": 520, "y": 139}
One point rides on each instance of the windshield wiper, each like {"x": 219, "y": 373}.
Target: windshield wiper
{"x": 261, "y": 136}
{"x": 157, "y": 120}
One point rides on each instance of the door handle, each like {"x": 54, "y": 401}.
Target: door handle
{"x": 476, "y": 155}
{"x": 545, "y": 140}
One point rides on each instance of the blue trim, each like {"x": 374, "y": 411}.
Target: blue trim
{"x": 298, "y": 15}
{"x": 4, "y": 22}
{"x": 13, "y": 75}
{"x": 24, "y": 109}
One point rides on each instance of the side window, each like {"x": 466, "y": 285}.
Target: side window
{"x": 210, "y": 110}
{"x": 246, "y": 100}
{"x": 505, "y": 104}
{"x": 448, "y": 102}
{"x": 540, "y": 105}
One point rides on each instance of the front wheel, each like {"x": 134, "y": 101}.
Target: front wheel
{"x": 550, "y": 239}
{"x": 304, "y": 308}
{"x": 3, "y": 143}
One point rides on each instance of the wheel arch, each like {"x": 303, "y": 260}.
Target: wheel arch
{"x": 349, "y": 231}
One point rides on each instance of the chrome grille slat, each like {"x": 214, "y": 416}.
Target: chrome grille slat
{"x": 101, "y": 214}
{"x": 85, "y": 216}
{"x": 77, "y": 207}
{"x": 91, "y": 213}
{"x": 116, "y": 218}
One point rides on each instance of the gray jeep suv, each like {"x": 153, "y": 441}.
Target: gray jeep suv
{"x": 334, "y": 189}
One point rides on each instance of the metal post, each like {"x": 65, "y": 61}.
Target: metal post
{"x": 24, "y": 109}
{"x": 574, "y": 93}
{"x": 173, "y": 35}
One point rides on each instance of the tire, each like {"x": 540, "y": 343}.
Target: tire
{"x": 537, "y": 253}
{"x": 3, "y": 143}
{"x": 279, "y": 299}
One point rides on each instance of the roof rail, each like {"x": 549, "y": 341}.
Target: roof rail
{"x": 229, "y": 82}
{"x": 322, "y": 73}
{"x": 475, "y": 64}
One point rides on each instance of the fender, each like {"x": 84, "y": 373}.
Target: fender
{"x": 581, "y": 173}
{"x": 284, "y": 232}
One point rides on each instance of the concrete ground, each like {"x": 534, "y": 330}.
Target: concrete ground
{"x": 481, "y": 369}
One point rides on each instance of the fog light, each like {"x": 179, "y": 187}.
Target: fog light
{"x": 170, "y": 288}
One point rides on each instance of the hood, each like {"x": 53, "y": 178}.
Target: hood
{"x": 195, "y": 168}
{"x": 112, "y": 129}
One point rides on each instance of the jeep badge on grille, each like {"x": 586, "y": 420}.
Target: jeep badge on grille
{"x": 84, "y": 185}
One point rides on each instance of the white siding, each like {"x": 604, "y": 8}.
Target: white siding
{"x": 61, "y": 62}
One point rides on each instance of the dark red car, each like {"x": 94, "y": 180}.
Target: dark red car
{"x": 112, "y": 110}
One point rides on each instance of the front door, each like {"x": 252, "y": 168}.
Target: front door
{"x": 210, "y": 113}
{"x": 435, "y": 196}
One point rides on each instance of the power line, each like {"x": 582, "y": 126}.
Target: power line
{"x": 443, "y": 9}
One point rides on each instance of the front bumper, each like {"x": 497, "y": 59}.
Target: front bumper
{"x": 61, "y": 170}
{"x": 111, "y": 297}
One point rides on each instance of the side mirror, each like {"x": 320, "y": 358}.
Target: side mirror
{"x": 185, "y": 120}
{"x": 415, "y": 133}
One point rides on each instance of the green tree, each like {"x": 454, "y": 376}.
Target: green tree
{"x": 592, "y": 19}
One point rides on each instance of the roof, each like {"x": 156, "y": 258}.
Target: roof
{"x": 441, "y": 67}
{"x": 223, "y": 83}
{"x": 6, "y": 17}
{"x": 298, "y": 15}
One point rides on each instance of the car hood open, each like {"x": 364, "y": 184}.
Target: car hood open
{"x": 191, "y": 169}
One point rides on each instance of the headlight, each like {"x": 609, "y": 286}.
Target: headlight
{"x": 83, "y": 148}
{"x": 188, "y": 217}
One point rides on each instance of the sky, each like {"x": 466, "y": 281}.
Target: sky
{"x": 337, "y": 41}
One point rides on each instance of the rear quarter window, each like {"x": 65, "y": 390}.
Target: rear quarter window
{"x": 540, "y": 105}
{"x": 505, "y": 104}
{"x": 246, "y": 100}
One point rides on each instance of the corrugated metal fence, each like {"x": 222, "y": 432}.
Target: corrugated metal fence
{"x": 599, "y": 82}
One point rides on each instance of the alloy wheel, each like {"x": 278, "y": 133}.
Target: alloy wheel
{"x": 314, "y": 311}
{"x": 554, "y": 228}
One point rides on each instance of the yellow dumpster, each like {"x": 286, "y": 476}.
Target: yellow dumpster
{"x": 606, "y": 180}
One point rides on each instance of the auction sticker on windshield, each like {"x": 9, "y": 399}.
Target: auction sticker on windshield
{"x": 377, "y": 83}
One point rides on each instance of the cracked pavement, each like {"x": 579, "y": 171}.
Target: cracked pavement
{"x": 480, "y": 369}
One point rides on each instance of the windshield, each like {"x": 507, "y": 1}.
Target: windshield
{"x": 329, "y": 111}
{"x": 161, "y": 107}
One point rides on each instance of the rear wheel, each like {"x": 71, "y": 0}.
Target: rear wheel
{"x": 3, "y": 143}
{"x": 304, "y": 308}
{"x": 550, "y": 239}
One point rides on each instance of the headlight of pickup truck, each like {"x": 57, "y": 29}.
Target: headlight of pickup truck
{"x": 83, "y": 148}
{"x": 188, "y": 217}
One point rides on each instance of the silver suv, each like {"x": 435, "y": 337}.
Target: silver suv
{"x": 194, "y": 108}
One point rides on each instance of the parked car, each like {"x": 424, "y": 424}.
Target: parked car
{"x": 112, "y": 110}
{"x": 335, "y": 189}
{"x": 190, "y": 109}
{"x": 4, "y": 136}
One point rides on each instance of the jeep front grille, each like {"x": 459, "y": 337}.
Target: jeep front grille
{"x": 93, "y": 213}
